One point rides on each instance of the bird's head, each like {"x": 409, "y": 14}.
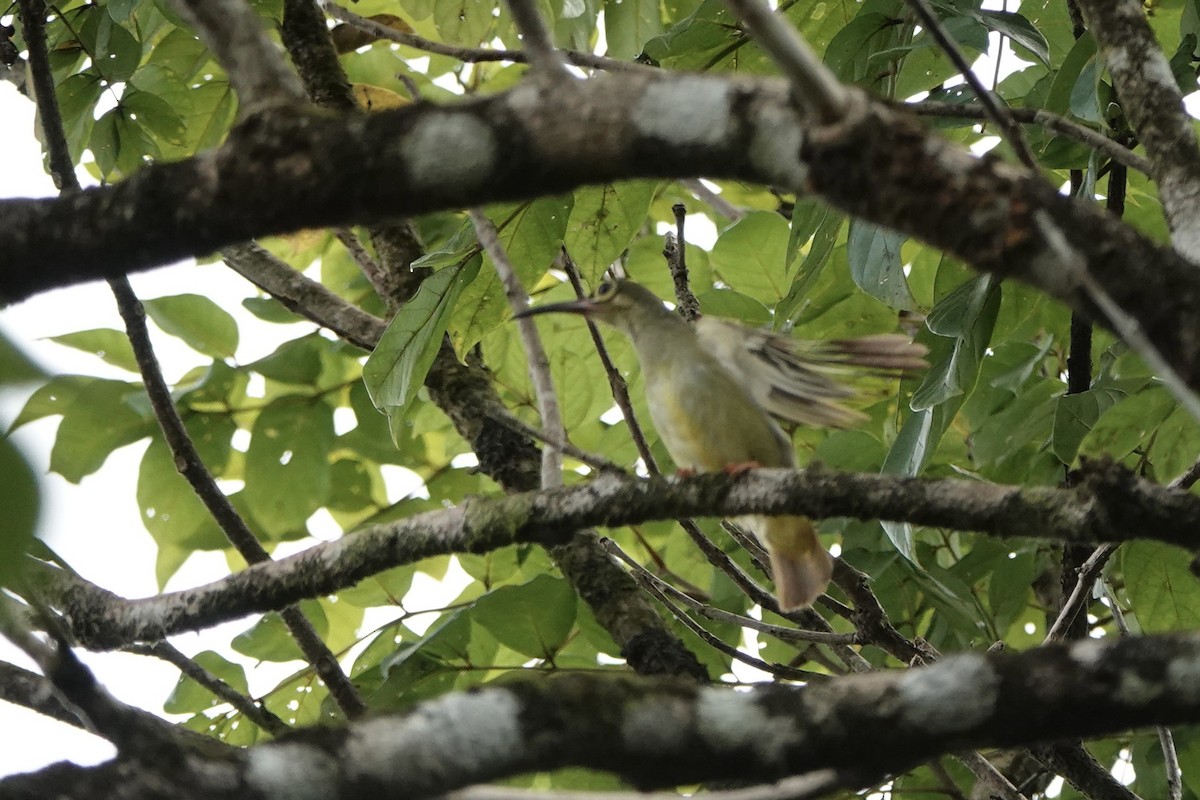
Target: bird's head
{"x": 620, "y": 303}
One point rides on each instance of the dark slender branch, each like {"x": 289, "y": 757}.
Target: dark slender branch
{"x": 997, "y": 112}
{"x": 676, "y": 254}
{"x": 1081, "y": 594}
{"x": 659, "y": 590}
{"x": 192, "y": 468}
{"x": 33, "y": 26}
{"x": 792, "y": 635}
{"x": 1049, "y": 120}
{"x": 252, "y": 709}
{"x": 616, "y": 383}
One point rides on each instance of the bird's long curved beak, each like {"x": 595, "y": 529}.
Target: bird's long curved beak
{"x": 584, "y": 306}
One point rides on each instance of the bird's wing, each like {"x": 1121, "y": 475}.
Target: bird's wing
{"x": 800, "y": 380}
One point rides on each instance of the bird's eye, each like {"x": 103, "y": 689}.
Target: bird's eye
{"x": 606, "y": 289}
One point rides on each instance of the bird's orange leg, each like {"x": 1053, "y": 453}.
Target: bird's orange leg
{"x": 740, "y": 467}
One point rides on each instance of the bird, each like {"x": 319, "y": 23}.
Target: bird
{"x": 716, "y": 388}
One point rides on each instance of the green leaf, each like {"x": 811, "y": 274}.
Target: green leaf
{"x": 21, "y": 503}
{"x": 875, "y": 265}
{"x": 287, "y": 464}
{"x": 1058, "y": 99}
{"x": 603, "y": 221}
{"x": 202, "y": 324}
{"x": 1163, "y": 593}
{"x": 170, "y": 509}
{"x": 533, "y": 619}
{"x": 102, "y": 418}
{"x": 295, "y": 362}
{"x": 268, "y": 309}
{"x": 190, "y": 697}
{"x": 824, "y": 239}
{"x": 1019, "y": 29}
{"x": 269, "y": 640}
{"x": 407, "y": 348}
{"x": 108, "y": 345}
{"x": 629, "y": 24}
{"x": 155, "y": 115}
{"x": 532, "y": 236}
{"x": 15, "y": 366}
{"x": 750, "y": 256}
{"x": 77, "y": 97}
{"x": 963, "y": 321}
{"x": 115, "y": 52}
{"x": 1074, "y": 417}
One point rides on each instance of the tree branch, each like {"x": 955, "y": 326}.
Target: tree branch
{"x": 286, "y": 171}
{"x": 863, "y": 724}
{"x": 1110, "y": 503}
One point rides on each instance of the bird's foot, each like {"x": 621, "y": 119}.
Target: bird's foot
{"x": 685, "y": 472}
{"x": 739, "y": 468}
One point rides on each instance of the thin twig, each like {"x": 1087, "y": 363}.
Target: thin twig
{"x": 616, "y": 383}
{"x": 191, "y": 467}
{"x": 1036, "y": 116}
{"x": 369, "y": 266}
{"x": 790, "y": 635}
{"x": 535, "y": 354}
{"x": 995, "y": 111}
{"x": 814, "y": 86}
{"x": 252, "y": 709}
{"x": 676, "y": 252}
{"x": 652, "y": 585}
{"x": 1165, "y": 739}
{"x": 997, "y": 785}
{"x": 471, "y": 54}
{"x": 1088, "y": 572}
{"x": 1074, "y": 268}
{"x": 591, "y": 459}
{"x": 714, "y": 201}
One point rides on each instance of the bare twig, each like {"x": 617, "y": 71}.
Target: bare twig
{"x": 1166, "y": 740}
{"x": 616, "y": 383}
{"x": 1047, "y": 119}
{"x": 591, "y": 459}
{"x": 252, "y": 709}
{"x": 653, "y": 585}
{"x": 191, "y": 467}
{"x": 814, "y": 87}
{"x": 1088, "y": 573}
{"x": 715, "y": 201}
{"x": 995, "y": 110}
{"x": 676, "y": 252}
{"x": 535, "y": 354}
{"x": 369, "y": 266}
{"x": 792, "y": 635}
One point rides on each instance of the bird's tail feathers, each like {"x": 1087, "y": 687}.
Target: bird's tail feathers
{"x": 802, "y": 567}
